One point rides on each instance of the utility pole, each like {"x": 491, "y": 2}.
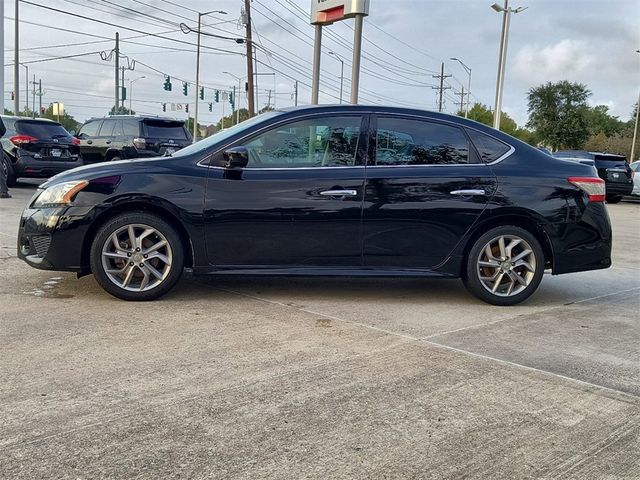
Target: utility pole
{"x": 461, "y": 103}
{"x": 295, "y": 92}
{"x": 317, "y": 53}
{"x": 16, "y": 63}
{"x": 122, "y": 90}
{"x": 40, "y": 97}
{"x": 442, "y": 87}
{"x": 355, "y": 64}
{"x": 234, "y": 106}
{"x": 635, "y": 132}
{"x": 117, "y": 54}
{"x": 269, "y": 101}
{"x": 26, "y": 90}
{"x": 249, "y": 43}
{"x": 33, "y": 110}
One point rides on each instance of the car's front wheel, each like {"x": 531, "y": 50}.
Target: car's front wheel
{"x": 504, "y": 266}
{"x": 137, "y": 256}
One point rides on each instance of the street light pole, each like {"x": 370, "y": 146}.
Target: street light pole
{"x": 16, "y": 63}
{"x": 239, "y": 87}
{"x": 341, "y": 72}
{"x": 504, "y": 39}
{"x": 131, "y": 82}
{"x": 468, "y": 70}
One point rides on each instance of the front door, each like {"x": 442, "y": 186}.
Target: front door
{"x": 298, "y": 201}
{"x": 425, "y": 187}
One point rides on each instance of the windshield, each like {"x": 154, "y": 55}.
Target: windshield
{"x": 166, "y": 130}
{"x": 225, "y": 134}
{"x": 41, "y": 129}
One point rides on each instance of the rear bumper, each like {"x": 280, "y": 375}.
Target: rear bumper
{"x": 619, "y": 188}
{"x": 583, "y": 245}
{"x": 29, "y": 166}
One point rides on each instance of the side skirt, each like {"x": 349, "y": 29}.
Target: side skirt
{"x": 320, "y": 271}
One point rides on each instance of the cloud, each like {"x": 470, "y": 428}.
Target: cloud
{"x": 566, "y": 59}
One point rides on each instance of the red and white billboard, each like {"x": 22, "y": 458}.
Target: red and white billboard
{"x": 325, "y": 12}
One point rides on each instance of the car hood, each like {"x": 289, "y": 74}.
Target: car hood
{"x": 106, "y": 169}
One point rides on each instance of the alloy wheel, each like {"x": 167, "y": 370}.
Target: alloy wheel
{"x": 137, "y": 257}
{"x": 506, "y": 265}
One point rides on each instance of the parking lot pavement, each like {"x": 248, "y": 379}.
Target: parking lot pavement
{"x": 320, "y": 378}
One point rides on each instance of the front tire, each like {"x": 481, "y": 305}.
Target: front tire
{"x": 504, "y": 266}
{"x": 137, "y": 256}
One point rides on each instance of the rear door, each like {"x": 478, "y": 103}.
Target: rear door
{"x": 90, "y": 151}
{"x": 425, "y": 187}
{"x": 298, "y": 201}
{"x": 50, "y": 141}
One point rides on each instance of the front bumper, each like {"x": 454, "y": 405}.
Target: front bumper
{"x": 43, "y": 167}
{"x": 53, "y": 238}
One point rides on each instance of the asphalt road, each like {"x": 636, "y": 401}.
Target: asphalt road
{"x": 320, "y": 378}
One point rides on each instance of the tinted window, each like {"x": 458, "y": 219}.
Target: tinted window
{"x": 166, "y": 130}
{"x": 131, "y": 127}
{"x": 402, "y": 141}
{"x": 107, "y": 128}
{"x": 41, "y": 129}
{"x": 319, "y": 142}
{"x": 90, "y": 129}
{"x": 488, "y": 147}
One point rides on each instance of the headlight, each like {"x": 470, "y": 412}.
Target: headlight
{"x": 60, "y": 194}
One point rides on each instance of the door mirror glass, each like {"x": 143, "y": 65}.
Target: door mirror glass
{"x": 236, "y": 157}
{"x": 72, "y": 132}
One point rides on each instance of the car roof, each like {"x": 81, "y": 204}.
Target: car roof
{"x": 134, "y": 117}
{"x": 26, "y": 119}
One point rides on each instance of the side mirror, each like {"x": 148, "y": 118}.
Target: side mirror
{"x": 236, "y": 157}
{"x": 72, "y": 132}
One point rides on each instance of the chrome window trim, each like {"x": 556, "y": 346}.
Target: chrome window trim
{"x": 362, "y": 114}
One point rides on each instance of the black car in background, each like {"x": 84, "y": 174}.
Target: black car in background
{"x": 613, "y": 169}
{"x": 37, "y": 148}
{"x": 327, "y": 190}
{"x": 128, "y": 136}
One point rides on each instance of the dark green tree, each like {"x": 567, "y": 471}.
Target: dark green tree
{"x": 483, "y": 114}
{"x": 600, "y": 121}
{"x": 119, "y": 110}
{"x": 66, "y": 120}
{"x": 558, "y": 114}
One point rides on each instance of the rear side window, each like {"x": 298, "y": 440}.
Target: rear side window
{"x": 166, "y": 130}
{"x": 10, "y": 125}
{"x": 131, "y": 127}
{"x": 401, "y": 141}
{"x": 41, "y": 129}
{"x": 488, "y": 147}
{"x": 90, "y": 129}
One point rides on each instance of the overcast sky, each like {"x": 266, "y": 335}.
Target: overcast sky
{"x": 587, "y": 41}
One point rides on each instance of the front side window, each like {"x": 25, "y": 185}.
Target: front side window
{"x": 89, "y": 129}
{"x": 401, "y": 141}
{"x": 317, "y": 142}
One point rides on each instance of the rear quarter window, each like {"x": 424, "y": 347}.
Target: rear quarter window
{"x": 489, "y": 148}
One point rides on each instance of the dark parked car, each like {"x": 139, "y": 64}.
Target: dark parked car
{"x": 127, "y": 136}
{"x": 37, "y": 148}
{"x": 329, "y": 190}
{"x": 613, "y": 169}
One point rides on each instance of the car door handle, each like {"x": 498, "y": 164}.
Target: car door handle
{"x": 468, "y": 192}
{"x": 108, "y": 142}
{"x": 89, "y": 142}
{"x": 339, "y": 193}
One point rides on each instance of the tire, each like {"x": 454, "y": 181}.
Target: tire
{"x": 124, "y": 271}
{"x": 8, "y": 171}
{"x": 114, "y": 159}
{"x": 480, "y": 280}
{"x": 614, "y": 199}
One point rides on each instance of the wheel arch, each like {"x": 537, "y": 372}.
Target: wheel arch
{"x": 111, "y": 153}
{"x": 517, "y": 219}
{"x": 146, "y": 205}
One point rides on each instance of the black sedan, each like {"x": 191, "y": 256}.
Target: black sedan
{"x": 328, "y": 190}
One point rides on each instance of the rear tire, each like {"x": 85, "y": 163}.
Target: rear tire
{"x": 614, "y": 199}
{"x": 8, "y": 171}
{"x": 504, "y": 266}
{"x": 137, "y": 256}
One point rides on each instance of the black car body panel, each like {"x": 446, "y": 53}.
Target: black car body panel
{"x": 131, "y": 136}
{"x": 400, "y": 220}
{"x": 46, "y": 148}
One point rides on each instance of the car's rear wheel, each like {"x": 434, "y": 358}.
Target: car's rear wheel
{"x": 137, "y": 256}
{"x": 8, "y": 171}
{"x": 614, "y": 198}
{"x": 504, "y": 266}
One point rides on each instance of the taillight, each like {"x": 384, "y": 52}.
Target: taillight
{"x": 139, "y": 143}
{"x": 22, "y": 139}
{"x": 593, "y": 187}
{"x": 75, "y": 141}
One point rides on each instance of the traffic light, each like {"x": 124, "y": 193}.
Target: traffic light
{"x": 216, "y": 96}
{"x": 201, "y": 93}
{"x": 164, "y": 107}
{"x": 186, "y": 107}
{"x": 124, "y": 93}
{"x": 167, "y": 83}
{"x": 211, "y": 107}
{"x": 185, "y": 88}
{"x": 232, "y": 101}
{"x": 13, "y": 96}
{"x": 246, "y": 86}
